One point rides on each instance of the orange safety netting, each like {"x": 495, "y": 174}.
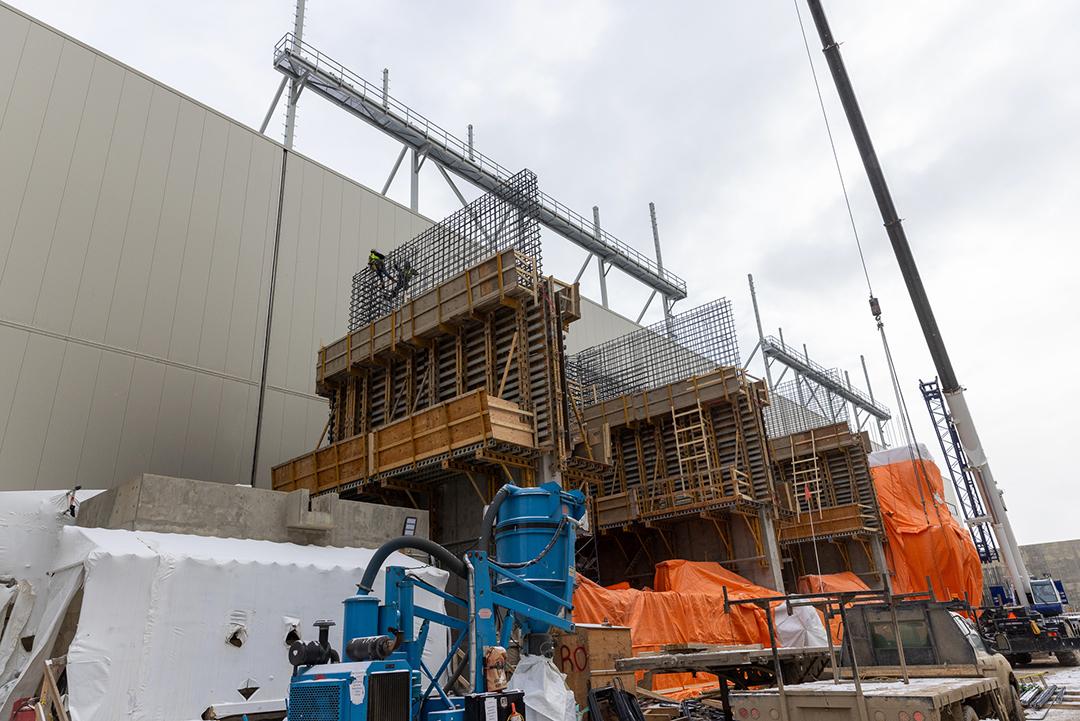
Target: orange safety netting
{"x": 924, "y": 539}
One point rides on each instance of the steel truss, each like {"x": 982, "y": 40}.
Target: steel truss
{"x": 309, "y": 68}
{"x": 963, "y": 479}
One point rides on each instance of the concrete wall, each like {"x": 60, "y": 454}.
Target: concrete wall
{"x": 1060, "y": 559}
{"x": 136, "y": 234}
{"x": 181, "y": 505}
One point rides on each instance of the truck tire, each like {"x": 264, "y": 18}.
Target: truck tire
{"x": 1068, "y": 658}
{"x": 970, "y": 714}
{"x": 1015, "y": 709}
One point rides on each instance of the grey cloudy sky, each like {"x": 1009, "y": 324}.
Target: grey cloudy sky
{"x": 708, "y": 109}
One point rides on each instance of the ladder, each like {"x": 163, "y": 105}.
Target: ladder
{"x": 806, "y": 477}
{"x": 693, "y": 448}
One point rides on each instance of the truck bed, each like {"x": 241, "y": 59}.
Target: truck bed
{"x": 925, "y": 699}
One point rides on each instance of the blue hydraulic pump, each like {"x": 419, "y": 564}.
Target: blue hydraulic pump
{"x": 521, "y": 575}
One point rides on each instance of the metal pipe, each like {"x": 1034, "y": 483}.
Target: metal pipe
{"x": 760, "y": 332}
{"x": 659, "y": 260}
{"x": 950, "y": 385}
{"x": 273, "y": 103}
{"x": 260, "y": 408}
{"x": 599, "y": 259}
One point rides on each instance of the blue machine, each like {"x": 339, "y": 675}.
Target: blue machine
{"x": 526, "y": 581}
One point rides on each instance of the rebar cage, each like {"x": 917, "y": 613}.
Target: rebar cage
{"x": 690, "y": 343}
{"x": 495, "y": 222}
{"x": 800, "y": 405}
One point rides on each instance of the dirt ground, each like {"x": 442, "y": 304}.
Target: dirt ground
{"x": 1054, "y": 674}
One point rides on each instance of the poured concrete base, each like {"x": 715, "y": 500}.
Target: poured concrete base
{"x": 201, "y": 508}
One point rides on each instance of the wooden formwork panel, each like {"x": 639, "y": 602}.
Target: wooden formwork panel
{"x": 852, "y": 519}
{"x": 510, "y": 350}
{"x": 843, "y": 469}
{"x": 468, "y": 420}
{"x": 636, "y": 436}
{"x": 481, "y": 288}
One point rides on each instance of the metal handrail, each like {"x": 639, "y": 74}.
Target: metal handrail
{"x": 832, "y": 374}
{"x": 289, "y": 44}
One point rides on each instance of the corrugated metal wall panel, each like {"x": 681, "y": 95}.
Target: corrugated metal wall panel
{"x": 136, "y": 237}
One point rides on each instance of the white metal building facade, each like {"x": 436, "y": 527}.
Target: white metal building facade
{"x": 136, "y": 236}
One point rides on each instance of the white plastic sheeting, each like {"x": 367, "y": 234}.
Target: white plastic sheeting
{"x": 547, "y": 696}
{"x": 158, "y": 610}
{"x": 30, "y": 523}
{"x": 802, "y": 629}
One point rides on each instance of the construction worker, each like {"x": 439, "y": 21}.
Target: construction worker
{"x": 377, "y": 262}
{"x": 405, "y": 274}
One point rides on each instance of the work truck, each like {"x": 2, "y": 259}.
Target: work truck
{"x": 941, "y": 670}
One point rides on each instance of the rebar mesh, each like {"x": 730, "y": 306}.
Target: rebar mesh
{"x": 493, "y": 223}
{"x": 799, "y": 405}
{"x": 690, "y": 343}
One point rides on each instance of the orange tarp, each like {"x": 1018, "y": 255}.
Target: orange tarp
{"x": 686, "y": 607}
{"x": 924, "y": 539}
{"x": 831, "y": 583}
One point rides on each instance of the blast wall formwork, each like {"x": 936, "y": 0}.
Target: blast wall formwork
{"x": 830, "y": 513}
{"x": 688, "y": 454}
{"x": 461, "y": 373}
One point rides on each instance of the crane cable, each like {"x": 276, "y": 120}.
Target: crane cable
{"x": 918, "y": 465}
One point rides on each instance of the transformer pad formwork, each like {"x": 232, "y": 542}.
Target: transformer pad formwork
{"x": 830, "y": 515}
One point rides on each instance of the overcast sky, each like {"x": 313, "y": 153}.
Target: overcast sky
{"x": 708, "y": 109}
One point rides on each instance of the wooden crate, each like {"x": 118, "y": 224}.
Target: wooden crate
{"x": 470, "y": 419}
{"x": 588, "y": 656}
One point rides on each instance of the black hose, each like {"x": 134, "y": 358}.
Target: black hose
{"x": 487, "y": 525}
{"x": 452, "y": 563}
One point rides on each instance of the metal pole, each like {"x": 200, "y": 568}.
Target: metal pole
{"x": 659, "y": 262}
{"x": 470, "y": 142}
{"x": 386, "y": 88}
{"x": 269, "y": 321}
{"x": 870, "y": 388}
{"x": 760, "y": 332}
{"x": 294, "y": 85}
{"x": 414, "y": 182}
{"x": 599, "y": 260}
{"x": 273, "y": 103}
{"x": 950, "y": 385}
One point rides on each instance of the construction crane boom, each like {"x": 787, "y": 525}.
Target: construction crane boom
{"x": 951, "y": 388}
